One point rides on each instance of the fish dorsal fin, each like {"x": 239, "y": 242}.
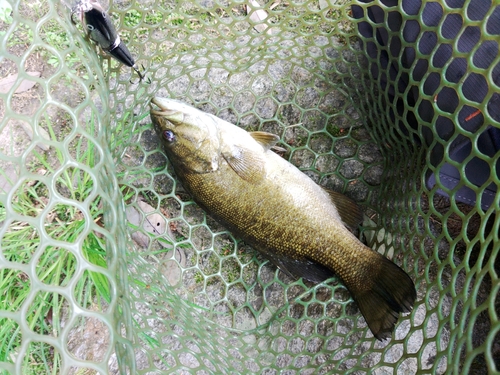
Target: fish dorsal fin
{"x": 266, "y": 140}
{"x": 349, "y": 211}
{"x": 247, "y": 164}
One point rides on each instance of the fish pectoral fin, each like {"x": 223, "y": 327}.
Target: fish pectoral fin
{"x": 266, "y": 140}
{"x": 249, "y": 165}
{"x": 349, "y": 211}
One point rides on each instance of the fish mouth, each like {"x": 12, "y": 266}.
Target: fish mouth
{"x": 171, "y": 115}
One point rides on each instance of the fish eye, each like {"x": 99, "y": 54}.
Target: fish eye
{"x": 169, "y": 135}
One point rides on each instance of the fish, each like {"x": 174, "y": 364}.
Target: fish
{"x": 301, "y": 227}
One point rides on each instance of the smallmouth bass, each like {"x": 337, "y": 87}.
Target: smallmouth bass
{"x": 269, "y": 203}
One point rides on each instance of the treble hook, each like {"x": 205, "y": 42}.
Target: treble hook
{"x": 141, "y": 76}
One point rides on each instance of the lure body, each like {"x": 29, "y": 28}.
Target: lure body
{"x": 102, "y": 31}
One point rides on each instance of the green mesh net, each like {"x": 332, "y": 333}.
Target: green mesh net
{"x": 106, "y": 264}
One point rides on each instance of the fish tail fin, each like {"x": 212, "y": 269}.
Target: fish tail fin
{"x": 387, "y": 292}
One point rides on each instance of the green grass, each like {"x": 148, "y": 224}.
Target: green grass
{"x": 132, "y": 18}
{"x": 153, "y": 17}
{"x": 333, "y": 130}
{"x": 54, "y": 265}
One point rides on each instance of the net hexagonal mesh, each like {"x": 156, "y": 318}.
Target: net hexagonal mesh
{"x": 107, "y": 265}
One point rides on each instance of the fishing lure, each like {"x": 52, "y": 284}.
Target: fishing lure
{"x": 102, "y": 31}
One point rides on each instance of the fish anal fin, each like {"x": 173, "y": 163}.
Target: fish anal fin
{"x": 349, "y": 211}
{"x": 296, "y": 268}
{"x": 266, "y": 140}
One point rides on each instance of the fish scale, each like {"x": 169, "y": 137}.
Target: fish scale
{"x": 243, "y": 216}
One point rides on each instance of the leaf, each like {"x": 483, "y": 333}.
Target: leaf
{"x": 95, "y": 254}
{"x": 153, "y": 223}
{"x": 5, "y": 12}
{"x": 45, "y": 135}
{"x": 323, "y": 4}
{"x": 8, "y": 177}
{"x": 101, "y": 283}
{"x": 257, "y": 16}
{"x": 9, "y": 81}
